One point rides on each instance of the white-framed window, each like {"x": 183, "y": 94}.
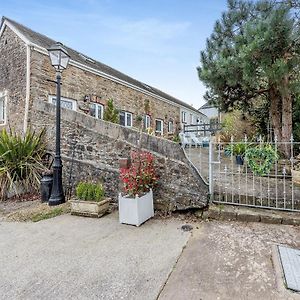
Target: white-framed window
{"x": 126, "y": 118}
{"x": 147, "y": 121}
{"x": 195, "y": 120}
{"x": 96, "y": 110}
{"x": 159, "y": 126}
{"x": 3, "y": 104}
{"x": 64, "y": 102}
{"x": 183, "y": 117}
{"x": 170, "y": 127}
{"x": 191, "y": 118}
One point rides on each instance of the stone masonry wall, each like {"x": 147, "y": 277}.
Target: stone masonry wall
{"x": 77, "y": 83}
{"x": 100, "y": 144}
{"x": 13, "y": 77}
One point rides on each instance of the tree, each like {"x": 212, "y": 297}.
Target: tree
{"x": 111, "y": 114}
{"x": 253, "y": 53}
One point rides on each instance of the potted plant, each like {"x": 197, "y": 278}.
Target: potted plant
{"x": 238, "y": 150}
{"x": 136, "y": 202}
{"x": 90, "y": 200}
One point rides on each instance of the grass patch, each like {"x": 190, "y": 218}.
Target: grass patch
{"x": 39, "y": 212}
{"x": 47, "y": 215}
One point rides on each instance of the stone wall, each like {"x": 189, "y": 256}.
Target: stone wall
{"x": 13, "y": 77}
{"x": 77, "y": 84}
{"x": 99, "y": 145}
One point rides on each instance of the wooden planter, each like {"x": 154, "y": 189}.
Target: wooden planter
{"x": 135, "y": 211}
{"x": 89, "y": 208}
{"x": 296, "y": 177}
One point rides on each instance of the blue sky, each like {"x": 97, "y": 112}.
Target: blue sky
{"x": 155, "y": 41}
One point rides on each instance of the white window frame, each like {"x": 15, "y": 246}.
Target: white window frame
{"x": 171, "y": 130}
{"x": 97, "y": 106}
{"x": 3, "y": 121}
{"x": 162, "y": 126}
{"x": 74, "y": 102}
{"x": 183, "y": 117}
{"x": 147, "y": 121}
{"x": 126, "y": 114}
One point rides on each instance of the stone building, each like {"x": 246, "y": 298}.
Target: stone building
{"x": 91, "y": 148}
{"x": 26, "y": 74}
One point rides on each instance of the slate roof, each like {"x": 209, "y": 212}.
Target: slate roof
{"x": 207, "y": 105}
{"x": 45, "y": 42}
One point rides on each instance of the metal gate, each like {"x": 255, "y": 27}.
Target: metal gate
{"x": 262, "y": 177}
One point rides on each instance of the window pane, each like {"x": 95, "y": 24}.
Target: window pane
{"x": 2, "y": 114}
{"x": 100, "y": 111}
{"x": 146, "y": 121}
{"x": 93, "y": 110}
{"x": 170, "y": 129}
{"x": 64, "y": 103}
{"x": 122, "y": 118}
{"x": 158, "y": 125}
{"x": 129, "y": 120}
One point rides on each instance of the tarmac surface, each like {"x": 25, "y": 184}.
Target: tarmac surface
{"x": 70, "y": 257}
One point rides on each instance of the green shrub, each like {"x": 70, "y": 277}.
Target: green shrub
{"x": 21, "y": 160}
{"x": 261, "y": 159}
{"x": 111, "y": 114}
{"x": 176, "y": 138}
{"x": 237, "y": 149}
{"x": 88, "y": 191}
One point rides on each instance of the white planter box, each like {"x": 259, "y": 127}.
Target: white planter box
{"x": 135, "y": 211}
{"x": 89, "y": 208}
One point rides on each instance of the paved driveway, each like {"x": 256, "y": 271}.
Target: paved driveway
{"x": 232, "y": 261}
{"x": 70, "y": 257}
{"x": 81, "y": 258}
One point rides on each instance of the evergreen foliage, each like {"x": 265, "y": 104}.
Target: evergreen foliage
{"x": 21, "y": 161}
{"x": 253, "y": 57}
{"x": 111, "y": 114}
{"x": 88, "y": 191}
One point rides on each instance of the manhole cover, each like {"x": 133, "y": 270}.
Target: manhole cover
{"x": 187, "y": 227}
{"x": 290, "y": 260}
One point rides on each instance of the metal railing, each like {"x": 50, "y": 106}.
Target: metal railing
{"x": 262, "y": 178}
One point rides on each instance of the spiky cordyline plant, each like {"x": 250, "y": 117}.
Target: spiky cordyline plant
{"x": 21, "y": 161}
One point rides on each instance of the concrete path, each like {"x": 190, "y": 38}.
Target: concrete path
{"x": 70, "y": 257}
{"x": 236, "y": 260}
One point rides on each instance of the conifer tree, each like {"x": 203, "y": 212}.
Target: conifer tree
{"x": 253, "y": 53}
{"x": 111, "y": 114}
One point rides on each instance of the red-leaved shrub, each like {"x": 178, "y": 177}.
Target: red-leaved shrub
{"x": 140, "y": 177}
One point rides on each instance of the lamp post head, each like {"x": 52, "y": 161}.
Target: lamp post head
{"x": 59, "y": 57}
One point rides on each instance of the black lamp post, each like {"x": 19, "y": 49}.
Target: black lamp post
{"x": 59, "y": 59}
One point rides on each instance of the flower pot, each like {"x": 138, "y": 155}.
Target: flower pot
{"x": 135, "y": 211}
{"x": 239, "y": 160}
{"x": 89, "y": 208}
{"x": 296, "y": 177}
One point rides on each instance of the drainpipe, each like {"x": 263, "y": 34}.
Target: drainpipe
{"x": 27, "y": 89}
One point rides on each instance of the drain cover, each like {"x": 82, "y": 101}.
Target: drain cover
{"x": 290, "y": 260}
{"x": 187, "y": 227}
